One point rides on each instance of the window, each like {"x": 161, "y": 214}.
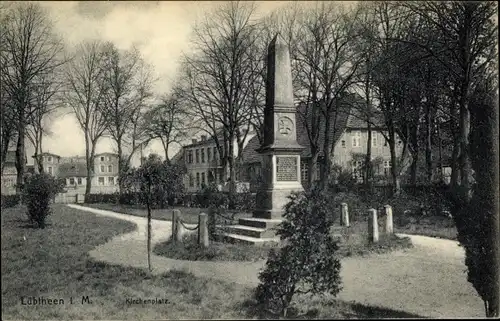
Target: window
{"x": 103, "y": 169}
{"x": 356, "y": 139}
{"x": 49, "y": 159}
{"x": 202, "y": 179}
{"x": 208, "y": 154}
{"x": 197, "y": 152}
{"x": 111, "y": 180}
{"x": 356, "y": 168}
{"x": 49, "y": 169}
{"x": 110, "y": 168}
{"x": 191, "y": 179}
{"x": 197, "y": 179}
{"x": 190, "y": 157}
{"x": 71, "y": 181}
{"x": 387, "y": 167}
{"x": 203, "y": 155}
{"x": 100, "y": 180}
{"x": 102, "y": 158}
{"x": 304, "y": 171}
{"x": 374, "y": 139}
{"x": 215, "y": 153}
{"x": 343, "y": 143}
{"x": 79, "y": 181}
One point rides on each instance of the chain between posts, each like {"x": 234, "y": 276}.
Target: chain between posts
{"x": 189, "y": 228}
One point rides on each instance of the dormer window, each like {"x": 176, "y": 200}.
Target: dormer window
{"x": 102, "y": 158}
{"x": 49, "y": 159}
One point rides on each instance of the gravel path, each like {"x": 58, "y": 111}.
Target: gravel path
{"x": 428, "y": 280}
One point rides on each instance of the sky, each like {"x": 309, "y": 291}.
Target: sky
{"x": 160, "y": 29}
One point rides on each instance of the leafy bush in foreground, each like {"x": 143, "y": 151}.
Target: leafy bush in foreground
{"x": 307, "y": 262}
{"x": 38, "y": 192}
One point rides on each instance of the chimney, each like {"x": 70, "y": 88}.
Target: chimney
{"x": 194, "y": 141}
{"x": 203, "y": 138}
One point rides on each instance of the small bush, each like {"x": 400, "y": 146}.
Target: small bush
{"x": 307, "y": 262}
{"x": 10, "y": 200}
{"x": 38, "y": 192}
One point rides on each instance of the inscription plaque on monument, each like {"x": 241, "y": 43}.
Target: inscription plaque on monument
{"x": 286, "y": 168}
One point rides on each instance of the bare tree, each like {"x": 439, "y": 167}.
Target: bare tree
{"x": 30, "y": 50}
{"x": 85, "y": 94}
{"x": 217, "y": 77}
{"x": 166, "y": 122}
{"x": 325, "y": 66}
{"x": 45, "y": 102}
{"x": 7, "y": 121}
{"x": 128, "y": 81}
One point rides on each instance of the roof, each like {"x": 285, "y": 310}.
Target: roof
{"x": 72, "y": 170}
{"x": 48, "y": 154}
{"x": 358, "y": 120}
{"x": 210, "y": 139}
{"x": 179, "y": 157}
{"x": 345, "y": 118}
{"x": 106, "y": 154}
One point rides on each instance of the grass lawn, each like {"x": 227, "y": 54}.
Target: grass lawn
{"x": 355, "y": 243}
{"x": 53, "y": 263}
{"x": 434, "y": 226}
{"x": 188, "y": 214}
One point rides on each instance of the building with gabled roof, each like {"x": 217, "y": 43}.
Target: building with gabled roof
{"x": 348, "y": 138}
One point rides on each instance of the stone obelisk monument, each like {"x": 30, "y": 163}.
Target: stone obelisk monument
{"x": 280, "y": 150}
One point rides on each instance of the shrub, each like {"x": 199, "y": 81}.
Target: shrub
{"x": 38, "y": 192}
{"x": 10, "y": 200}
{"x": 307, "y": 262}
{"x": 102, "y": 198}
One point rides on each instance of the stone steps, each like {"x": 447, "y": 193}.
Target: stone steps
{"x": 253, "y": 230}
{"x": 236, "y": 238}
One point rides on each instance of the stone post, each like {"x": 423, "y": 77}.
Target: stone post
{"x": 203, "y": 230}
{"x": 344, "y": 216}
{"x": 176, "y": 226}
{"x": 372, "y": 225}
{"x": 388, "y": 222}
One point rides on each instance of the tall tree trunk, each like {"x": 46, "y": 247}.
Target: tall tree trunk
{"x": 396, "y": 188}
{"x": 440, "y": 151}
{"x": 414, "y": 169}
{"x": 148, "y": 204}
{"x": 5, "y": 148}
{"x": 464, "y": 122}
{"x": 88, "y": 184}
{"x": 20, "y": 154}
{"x": 120, "y": 164}
{"x": 368, "y": 158}
{"x": 428, "y": 142}
{"x": 312, "y": 166}
{"x": 455, "y": 166}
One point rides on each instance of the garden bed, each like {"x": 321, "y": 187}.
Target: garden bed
{"x": 355, "y": 243}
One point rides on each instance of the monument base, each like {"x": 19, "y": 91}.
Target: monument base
{"x": 271, "y": 202}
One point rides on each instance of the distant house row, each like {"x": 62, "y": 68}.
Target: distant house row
{"x": 349, "y": 135}
{"x": 72, "y": 169}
